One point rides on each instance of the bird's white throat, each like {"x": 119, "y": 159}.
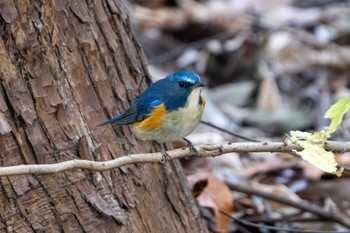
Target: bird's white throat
{"x": 193, "y": 98}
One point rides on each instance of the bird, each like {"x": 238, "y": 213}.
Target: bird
{"x": 167, "y": 111}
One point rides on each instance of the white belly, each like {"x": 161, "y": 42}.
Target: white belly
{"x": 177, "y": 124}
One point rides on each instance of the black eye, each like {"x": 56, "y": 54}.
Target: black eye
{"x": 181, "y": 84}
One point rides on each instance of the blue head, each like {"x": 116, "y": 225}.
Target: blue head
{"x": 174, "y": 90}
{"x": 184, "y": 79}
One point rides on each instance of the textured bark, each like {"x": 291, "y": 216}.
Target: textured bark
{"x": 64, "y": 67}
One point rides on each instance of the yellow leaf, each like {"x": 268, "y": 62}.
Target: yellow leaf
{"x": 319, "y": 136}
{"x": 305, "y": 136}
{"x": 319, "y": 157}
{"x": 297, "y": 135}
{"x": 314, "y": 152}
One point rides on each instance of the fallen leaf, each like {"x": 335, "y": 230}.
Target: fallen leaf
{"x": 199, "y": 187}
{"x": 215, "y": 195}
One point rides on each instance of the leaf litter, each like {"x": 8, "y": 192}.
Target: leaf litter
{"x": 270, "y": 67}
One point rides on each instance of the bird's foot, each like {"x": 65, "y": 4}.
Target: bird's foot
{"x": 165, "y": 156}
{"x": 192, "y": 148}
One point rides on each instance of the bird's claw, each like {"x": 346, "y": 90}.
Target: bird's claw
{"x": 193, "y": 150}
{"x": 165, "y": 156}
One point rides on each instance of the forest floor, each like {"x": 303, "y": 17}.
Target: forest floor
{"x": 270, "y": 67}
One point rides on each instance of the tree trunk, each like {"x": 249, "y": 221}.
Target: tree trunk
{"x": 64, "y": 67}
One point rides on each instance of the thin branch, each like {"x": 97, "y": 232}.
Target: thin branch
{"x": 229, "y": 132}
{"x": 302, "y": 205}
{"x": 286, "y": 229}
{"x": 204, "y": 151}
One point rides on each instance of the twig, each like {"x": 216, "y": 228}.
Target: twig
{"x": 286, "y": 219}
{"x": 229, "y": 132}
{"x": 204, "y": 151}
{"x": 303, "y": 205}
{"x": 286, "y": 229}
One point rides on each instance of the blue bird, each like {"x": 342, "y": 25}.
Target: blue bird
{"x": 168, "y": 110}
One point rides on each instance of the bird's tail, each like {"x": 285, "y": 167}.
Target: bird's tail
{"x": 111, "y": 120}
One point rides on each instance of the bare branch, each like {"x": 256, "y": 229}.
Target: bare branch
{"x": 204, "y": 151}
{"x": 335, "y": 216}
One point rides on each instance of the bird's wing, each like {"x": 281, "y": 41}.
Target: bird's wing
{"x": 137, "y": 112}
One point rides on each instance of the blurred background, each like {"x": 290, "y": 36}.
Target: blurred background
{"x": 270, "y": 66}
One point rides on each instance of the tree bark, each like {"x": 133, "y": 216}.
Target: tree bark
{"x": 64, "y": 67}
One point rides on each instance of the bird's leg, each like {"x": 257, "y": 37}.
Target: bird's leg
{"x": 192, "y": 148}
{"x": 165, "y": 155}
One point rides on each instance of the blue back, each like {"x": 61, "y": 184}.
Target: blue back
{"x": 169, "y": 91}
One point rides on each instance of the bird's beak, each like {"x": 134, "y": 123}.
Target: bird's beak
{"x": 199, "y": 85}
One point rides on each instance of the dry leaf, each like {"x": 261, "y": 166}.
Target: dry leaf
{"x": 215, "y": 195}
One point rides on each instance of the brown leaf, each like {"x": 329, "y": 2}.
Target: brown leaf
{"x": 269, "y": 95}
{"x": 199, "y": 187}
{"x": 215, "y": 195}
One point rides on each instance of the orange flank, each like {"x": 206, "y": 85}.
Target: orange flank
{"x": 153, "y": 120}
{"x": 203, "y": 101}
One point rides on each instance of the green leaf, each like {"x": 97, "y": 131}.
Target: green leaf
{"x": 336, "y": 113}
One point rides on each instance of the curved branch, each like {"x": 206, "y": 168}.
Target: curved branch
{"x": 204, "y": 151}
